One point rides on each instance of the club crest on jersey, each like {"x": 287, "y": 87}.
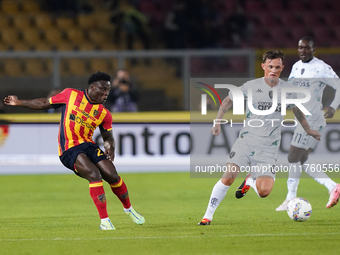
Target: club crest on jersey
{"x": 102, "y": 198}
{"x": 231, "y": 154}
{"x": 95, "y": 113}
{"x": 302, "y": 71}
{"x": 271, "y": 94}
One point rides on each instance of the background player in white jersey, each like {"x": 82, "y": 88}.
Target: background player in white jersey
{"x": 256, "y": 146}
{"x": 313, "y": 74}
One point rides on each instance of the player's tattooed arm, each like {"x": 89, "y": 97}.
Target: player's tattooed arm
{"x": 300, "y": 116}
{"x": 35, "y": 104}
{"x": 109, "y": 144}
{"x": 225, "y": 106}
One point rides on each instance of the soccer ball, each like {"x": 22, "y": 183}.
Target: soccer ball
{"x": 299, "y": 209}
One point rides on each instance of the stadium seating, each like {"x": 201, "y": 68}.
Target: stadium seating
{"x": 43, "y": 21}
{"x": 4, "y": 47}
{"x": 64, "y": 22}
{"x": 252, "y": 6}
{"x": 288, "y": 19}
{"x": 10, "y": 36}
{"x": 75, "y": 35}
{"x": 298, "y": 32}
{"x": 4, "y": 22}
{"x": 21, "y": 46}
{"x": 86, "y": 21}
{"x": 64, "y": 46}
{"x": 322, "y": 32}
{"x": 32, "y": 35}
{"x": 12, "y": 67}
{"x": 22, "y": 21}
{"x": 296, "y": 6}
{"x": 35, "y": 67}
{"x": 87, "y": 46}
{"x": 30, "y": 6}
{"x": 42, "y": 46}
{"x": 53, "y": 35}
{"x": 310, "y": 18}
{"x": 77, "y": 67}
{"x": 274, "y": 5}
{"x": 99, "y": 64}
{"x": 9, "y": 7}
{"x": 332, "y": 19}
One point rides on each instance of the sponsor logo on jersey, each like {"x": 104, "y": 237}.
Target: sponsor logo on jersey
{"x": 80, "y": 121}
{"x": 95, "y": 113}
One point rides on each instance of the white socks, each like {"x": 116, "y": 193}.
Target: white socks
{"x": 319, "y": 176}
{"x": 105, "y": 219}
{"x": 252, "y": 183}
{"x": 218, "y": 193}
{"x": 293, "y": 180}
{"x": 314, "y": 172}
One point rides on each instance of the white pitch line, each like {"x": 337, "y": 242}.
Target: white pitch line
{"x": 162, "y": 237}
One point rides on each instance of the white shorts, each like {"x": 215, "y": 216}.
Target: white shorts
{"x": 302, "y": 140}
{"x": 252, "y": 159}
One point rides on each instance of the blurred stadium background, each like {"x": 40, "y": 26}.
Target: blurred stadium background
{"x": 49, "y": 44}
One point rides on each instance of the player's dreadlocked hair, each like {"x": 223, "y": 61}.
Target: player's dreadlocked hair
{"x": 273, "y": 54}
{"x": 99, "y": 76}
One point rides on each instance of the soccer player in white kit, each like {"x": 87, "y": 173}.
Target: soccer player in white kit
{"x": 256, "y": 146}
{"x": 313, "y": 74}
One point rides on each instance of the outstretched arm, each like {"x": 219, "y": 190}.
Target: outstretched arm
{"x": 225, "y": 106}
{"x": 302, "y": 119}
{"x": 109, "y": 144}
{"x": 35, "y": 104}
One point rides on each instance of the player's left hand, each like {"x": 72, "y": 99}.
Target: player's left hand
{"x": 329, "y": 112}
{"x": 110, "y": 154}
{"x": 315, "y": 134}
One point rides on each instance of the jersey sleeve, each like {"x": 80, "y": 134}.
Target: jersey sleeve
{"x": 244, "y": 91}
{"x": 106, "y": 125}
{"x": 291, "y": 78}
{"x": 330, "y": 78}
{"x": 60, "y": 98}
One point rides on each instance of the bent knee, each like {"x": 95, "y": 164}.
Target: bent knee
{"x": 264, "y": 192}
{"x": 293, "y": 158}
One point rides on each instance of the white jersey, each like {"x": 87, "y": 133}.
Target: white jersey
{"x": 314, "y": 76}
{"x": 264, "y": 130}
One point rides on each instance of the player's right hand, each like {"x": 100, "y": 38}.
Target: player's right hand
{"x": 315, "y": 134}
{"x": 216, "y": 129}
{"x": 11, "y": 100}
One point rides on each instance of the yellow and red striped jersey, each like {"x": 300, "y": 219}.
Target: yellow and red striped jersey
{"x": 79, "y": 118}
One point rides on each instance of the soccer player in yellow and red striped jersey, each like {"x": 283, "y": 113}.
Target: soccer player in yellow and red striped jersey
{"x": 82, "y": 113}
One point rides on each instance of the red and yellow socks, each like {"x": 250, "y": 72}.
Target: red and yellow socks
{"x": 98, "y": 195}
{"x": 120, "y": 190}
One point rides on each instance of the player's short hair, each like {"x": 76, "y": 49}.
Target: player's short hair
{"x": 308, "y": 39}
{"x": 273, "y": 54}
{"x": 99, "y": 76}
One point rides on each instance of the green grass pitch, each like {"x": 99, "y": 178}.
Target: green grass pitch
{"x": 54, "y": 214}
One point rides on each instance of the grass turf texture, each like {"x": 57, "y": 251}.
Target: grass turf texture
{"x": 54, "y": 214}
